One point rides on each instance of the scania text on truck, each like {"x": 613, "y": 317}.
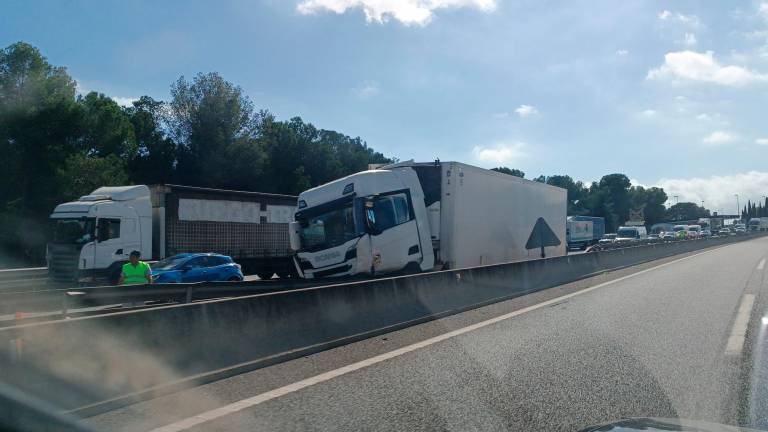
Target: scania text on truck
{"x": 93, "y": 236}
{"x": 584, "y": 231}
{"x": 425, "y": 216}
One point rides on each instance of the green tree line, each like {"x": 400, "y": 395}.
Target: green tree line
{"x": 57, "y": 145}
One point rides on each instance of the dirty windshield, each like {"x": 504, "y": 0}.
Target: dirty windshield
{"x": 383, "y": 215}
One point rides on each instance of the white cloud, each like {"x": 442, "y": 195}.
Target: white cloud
{"x": 690, "y": 39}
{"x": 689, "y": 20}
{"x": 408, "y": 12}
{"x": 718, "y": 191}
{"x": 762, "y": 141}
{"x": 500, "y": 153}
{"x": 762, "y": 10}
{"x": 124, "y": 101}
{"x": 622, "y": 53}
{"x": 702, "y": 67}
{"x": 367, "y": 90}
{"x": 526, "y": 111}
{"x": 704, "y": 117}
{"x": 718, "y": 138}
{"x": 648, "y": 113}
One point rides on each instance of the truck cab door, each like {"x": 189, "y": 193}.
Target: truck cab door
{"x": 395, "y": 240}
{"x": 109, "y": 247}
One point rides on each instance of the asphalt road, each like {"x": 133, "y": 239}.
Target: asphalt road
{"x": 670, "y": 341}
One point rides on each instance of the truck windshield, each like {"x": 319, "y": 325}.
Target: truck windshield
{"x": 73, "y": 231}
{"x": 327, "y": 229}
{"x": 627, "y": 233}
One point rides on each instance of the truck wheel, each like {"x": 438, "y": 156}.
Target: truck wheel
{"x": 234, "y": 279}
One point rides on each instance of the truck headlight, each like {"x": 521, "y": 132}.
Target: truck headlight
{"x": 352, "y": 253}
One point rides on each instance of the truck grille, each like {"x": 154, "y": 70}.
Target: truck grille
{"x": 63, "y": 262}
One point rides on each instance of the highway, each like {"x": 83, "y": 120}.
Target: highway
{"x": 663, "y": 339}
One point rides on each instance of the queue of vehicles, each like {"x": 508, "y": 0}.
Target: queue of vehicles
{"x": 403, "y": 217}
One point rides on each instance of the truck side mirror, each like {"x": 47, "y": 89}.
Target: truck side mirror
{"x": 370, "y": 218}
{"x": 293, "y": 235}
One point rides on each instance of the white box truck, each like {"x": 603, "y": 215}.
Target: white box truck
{"x": 92, "y": 237}
{"x": 425, "y": 216}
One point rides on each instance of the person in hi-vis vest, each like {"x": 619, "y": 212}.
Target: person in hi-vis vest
{"x": 135, "y": 272}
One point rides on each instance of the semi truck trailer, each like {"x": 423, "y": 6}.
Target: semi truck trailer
{"x": 92, "y": 237}
{"x": 584, "y": 231}
{"x": 415, "y": 217}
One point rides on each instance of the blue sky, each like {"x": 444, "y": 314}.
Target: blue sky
{"x": 671, "y": 93}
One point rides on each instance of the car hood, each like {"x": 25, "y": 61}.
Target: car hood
{"x": 663, "y": 424}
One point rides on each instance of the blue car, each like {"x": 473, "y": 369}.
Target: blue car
{"x": 196, "y": 267}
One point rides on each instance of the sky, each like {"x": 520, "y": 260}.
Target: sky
{"x": 670, "y": 93}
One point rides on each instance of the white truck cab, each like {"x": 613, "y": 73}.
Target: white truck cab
{"x": 359, "y": 223}
{"x": 94, "y": 235}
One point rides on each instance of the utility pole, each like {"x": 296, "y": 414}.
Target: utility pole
{"x": 738, "y": 206}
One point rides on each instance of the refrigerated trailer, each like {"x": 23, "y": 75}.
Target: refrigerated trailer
{"x": 425, "y": 216}
{"x": 92, "y": 237}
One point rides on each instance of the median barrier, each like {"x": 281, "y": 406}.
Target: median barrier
{"x": 97, "y": 363}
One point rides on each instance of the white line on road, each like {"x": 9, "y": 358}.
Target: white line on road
{"x": 739, "y": 331}
{"x": 232, "y": 408}
{"x": 761, "y": 265}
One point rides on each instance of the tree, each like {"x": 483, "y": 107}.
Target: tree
{"x": 155, "y": 158}
{"x": 39, "y": 121}
{"x": 576, "y": 192}
{"x": 686, "y": 211}
{"x": 83, "y": 173}
{"x": 613, "y": 198}
{"x": 106, "y": 128}
{"x": 207, "y": 117}
{"x": 511, "y": 171}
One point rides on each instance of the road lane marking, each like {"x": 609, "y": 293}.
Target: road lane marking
{"x": 761, "y": 265}
{"x": 739, "y": 331}
{"x": 243, "y": 404}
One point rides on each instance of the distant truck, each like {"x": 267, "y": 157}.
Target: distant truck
{"x": 631, "y": 233}
{"x": 93, "y": 236}
{"x": 425, "y": 216}
{"x": 758, "y": 224}
{"x": 584, "y": 231}
{"x": 712, "y": 224}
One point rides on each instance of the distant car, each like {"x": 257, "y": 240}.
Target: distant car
{"x": 740, "y": 230}
{"x": 196, "y": 267}
{"x": 608, "y": 238}
{"x": 693, "y": 231}
{"x": 668, "y": 235}
{"x": 724, "y": 231}
{"x": 654, "y": 236}
{"x": 706, "y": 233}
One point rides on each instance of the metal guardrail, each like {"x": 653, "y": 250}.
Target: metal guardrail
{"x": 68, "y": 302}
{"x": 47, "y": 304}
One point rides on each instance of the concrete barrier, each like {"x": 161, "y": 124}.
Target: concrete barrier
{"x": 96, "y": 363}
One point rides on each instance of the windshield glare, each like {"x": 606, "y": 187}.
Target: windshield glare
{"x": 328, "y": 229}
{"x": 74, "y": 231}
{"x": 169, "y": 263}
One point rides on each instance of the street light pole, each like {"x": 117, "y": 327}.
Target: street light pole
{"x": 738, "y": 206}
